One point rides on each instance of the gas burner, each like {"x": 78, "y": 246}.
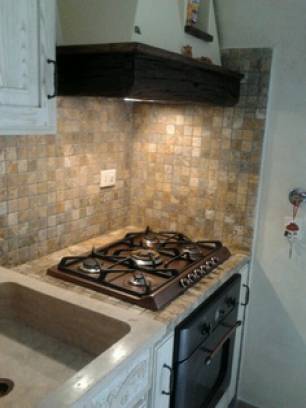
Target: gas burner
{"x": 194, "y": 251}
{"x": 154, "y": 239}
{"x": 138, "y": 279}
{"x": 151, "y": 240}
{"x": 90, "y": 266}
{"x": 146, "y": 257}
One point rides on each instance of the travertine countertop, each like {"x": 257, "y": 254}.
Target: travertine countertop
{"x": 162, "y": 321}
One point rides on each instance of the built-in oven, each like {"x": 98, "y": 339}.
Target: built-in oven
{"x": 203, "y": 350}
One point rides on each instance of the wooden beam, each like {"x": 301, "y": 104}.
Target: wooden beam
{"x": 138, "y": 71}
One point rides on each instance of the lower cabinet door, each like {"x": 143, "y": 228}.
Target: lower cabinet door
{"x": 244, "y": 295}
{"x": 244, "y": 299}
{"x": 126, "y": 390}
{"x": 143, "y": 403}
{"x": 162, "y": 373}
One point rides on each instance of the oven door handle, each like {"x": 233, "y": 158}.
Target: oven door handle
{"x": 215, "y": 351}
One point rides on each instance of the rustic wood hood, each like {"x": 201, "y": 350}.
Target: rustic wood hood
{"x": 141, "y": 72}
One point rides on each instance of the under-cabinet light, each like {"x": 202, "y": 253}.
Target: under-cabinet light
{"x": 139, "y": 100}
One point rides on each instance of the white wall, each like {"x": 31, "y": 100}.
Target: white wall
{"x": 163, "y": 22}
{"x": 94, "y": 21}
{"x": 103, "y": 21}
{"x": 274, "y": 364}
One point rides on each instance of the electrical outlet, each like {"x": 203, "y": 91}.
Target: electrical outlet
{"x": 108, "y": 178}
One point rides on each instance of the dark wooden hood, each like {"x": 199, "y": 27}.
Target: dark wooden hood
{"x": 138, "y": 71}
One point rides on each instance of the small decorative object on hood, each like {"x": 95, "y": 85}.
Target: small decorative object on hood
{"x": 187, "y": 51}
{"x": 206, "y": 60}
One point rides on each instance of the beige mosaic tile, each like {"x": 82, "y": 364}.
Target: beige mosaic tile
{"x": 49, "y": 186}
{"x": 186, "y": 167}
{"x": 202, "y": 175}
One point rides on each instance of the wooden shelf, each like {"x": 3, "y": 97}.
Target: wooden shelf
{"x": 195, "y": 32}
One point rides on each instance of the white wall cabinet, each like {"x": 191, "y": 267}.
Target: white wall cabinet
{"x": 27, "y": 42}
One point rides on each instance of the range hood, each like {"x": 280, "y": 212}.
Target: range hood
{"x": 141, "y": 72}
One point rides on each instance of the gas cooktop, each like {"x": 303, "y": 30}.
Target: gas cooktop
{"x": 146, "y": 268}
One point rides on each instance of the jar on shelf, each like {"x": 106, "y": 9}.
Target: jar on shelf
{"x": 193, "y": 11}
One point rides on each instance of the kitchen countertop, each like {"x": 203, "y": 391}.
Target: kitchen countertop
{"x": 147, "y": 327}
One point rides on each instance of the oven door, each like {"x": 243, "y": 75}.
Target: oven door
{"x": 202, "y": 379}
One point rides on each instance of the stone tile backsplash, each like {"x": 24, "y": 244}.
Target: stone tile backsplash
{"x": 195, "y": 168}
{"x": 50, "y": 195}
{"x": 185, "y": 167}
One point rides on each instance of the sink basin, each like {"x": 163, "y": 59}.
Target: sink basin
{"x": 45, "y": 340}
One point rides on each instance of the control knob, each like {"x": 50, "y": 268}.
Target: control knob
{"x": 230, "y": 302}
{"x": 219, "y": 314}
{"x": 206, "y": 328}
{"x": 191, "y": 276}
{"x": 185, "y": 282}
{"x": 215, "y": 260}
{"x": 204, "y": 270}
{"x": 197, "y": 273}
{"x": 208, "y": 264}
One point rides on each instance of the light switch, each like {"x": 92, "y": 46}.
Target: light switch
{"x": 108, "y": 178}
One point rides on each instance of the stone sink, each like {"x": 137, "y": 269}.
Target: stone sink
{"x": 52, "y": 338}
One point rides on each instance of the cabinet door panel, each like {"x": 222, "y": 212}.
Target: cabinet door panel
{"x": 126, "y": 390}
{"x": 19, "y": 62}
{"x": 161, "y": 374}
{"x": 231, "y": 393}
{"x": 27, "y": 41}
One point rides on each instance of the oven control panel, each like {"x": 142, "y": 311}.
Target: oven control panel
{"x": 199, "y": 272}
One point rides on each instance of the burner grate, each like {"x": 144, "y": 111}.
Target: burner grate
{"x": 147, "y": 268}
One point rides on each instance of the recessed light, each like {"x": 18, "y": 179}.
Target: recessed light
{"x": 139, "y": 100}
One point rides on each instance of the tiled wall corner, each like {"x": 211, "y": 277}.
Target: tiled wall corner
{"x": 195, "y": 169}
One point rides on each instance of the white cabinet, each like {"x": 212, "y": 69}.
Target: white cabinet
{"x": 27, "y": 42}
{"x": 142, "y": 403}
{"x": 231, "y": 393}
{"x": 162, "y": 373}
{"x": 244, "y": 294}
{"x": 128, "y": 389}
